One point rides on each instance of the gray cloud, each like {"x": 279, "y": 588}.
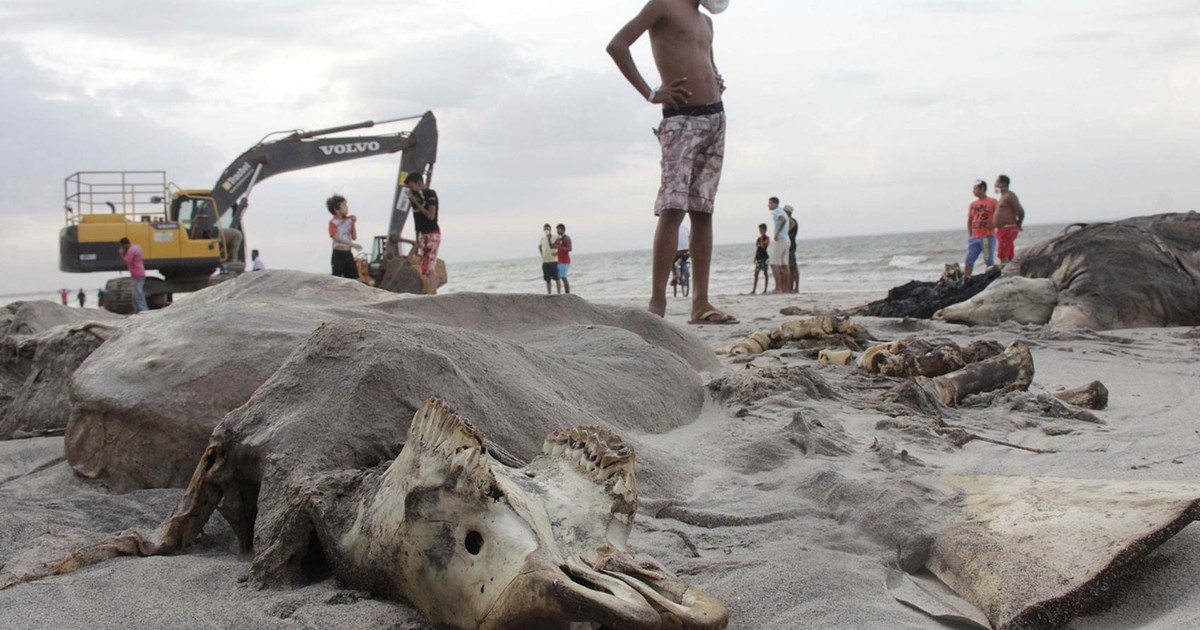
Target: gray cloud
{"x": 852, "y": 78}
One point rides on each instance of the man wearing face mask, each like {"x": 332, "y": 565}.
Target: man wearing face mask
{"x": 692, "y": 136}
{"x": 549, "y": 259}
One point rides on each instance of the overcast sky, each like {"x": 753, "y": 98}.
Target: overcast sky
{"x": 869, "y": 116}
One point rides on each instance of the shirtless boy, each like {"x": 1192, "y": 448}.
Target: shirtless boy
{"x": 692, "y": 136}
{"x": 1010, "y": 217}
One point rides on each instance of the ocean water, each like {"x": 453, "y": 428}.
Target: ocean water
{"x": 828, "y": 265}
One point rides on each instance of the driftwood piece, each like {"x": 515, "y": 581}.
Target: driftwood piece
{"x": 1094, "y": 395}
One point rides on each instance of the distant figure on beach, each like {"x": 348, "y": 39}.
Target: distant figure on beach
{"x": 65, "y": 295}
{"x": 981, "y": 214}
{"x": 132, "y": 254}
{"x": 793, "y": 231}
{"x": 258, "y": 264}
{"x": 1010, "y": 218}
{"x": 82, "y": 298}
{"x": 549, "y": 259}
{"x": 429, "y": 233}
{"x": 682, "y": 254}
{"x": 691, "y": 135}
{"x": 780, "y": 246}
{"x": 562, "y": 246}
{"x": 101, "y": 298}
{"x": 344, "y": 231}
{"x": 761, "y": 259}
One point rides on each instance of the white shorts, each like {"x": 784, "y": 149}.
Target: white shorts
{"x": 779, "y": 253}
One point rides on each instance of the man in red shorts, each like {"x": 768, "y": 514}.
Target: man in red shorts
{"x": 1010, "y": 216}
{"x": 429, "y": 235}
{"x": 692, "y": 136}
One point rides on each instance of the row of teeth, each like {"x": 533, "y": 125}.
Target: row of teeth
{"x": 443, "y": 430}
{"x": 596, "y": 451}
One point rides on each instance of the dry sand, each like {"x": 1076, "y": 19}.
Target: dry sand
{"x": 790, "y": 529}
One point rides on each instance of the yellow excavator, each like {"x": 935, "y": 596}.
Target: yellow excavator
{"x": 187, "y": 235}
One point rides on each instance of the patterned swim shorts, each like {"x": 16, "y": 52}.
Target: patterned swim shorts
{"x": 428, "y": 244}
{"x": 693, "y": 149}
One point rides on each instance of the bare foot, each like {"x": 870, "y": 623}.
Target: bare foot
{"x": 658, "y": 306}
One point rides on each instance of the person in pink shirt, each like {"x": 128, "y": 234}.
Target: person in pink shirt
{"x": 132, "y": 254}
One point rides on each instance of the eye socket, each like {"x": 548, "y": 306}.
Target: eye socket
{"x": 473, "y": 543}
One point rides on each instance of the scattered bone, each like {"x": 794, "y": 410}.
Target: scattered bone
{"x": 835, "y": 357}
{"x": 827, "y": 327}
{"x": 914, "y": 356}
{"x": 1094, "y": 395}
{"x": 1012, "y": 370}
{"x": 1033, "y": 552}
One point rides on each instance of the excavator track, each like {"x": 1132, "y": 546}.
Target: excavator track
{"x": 118, "y": 294}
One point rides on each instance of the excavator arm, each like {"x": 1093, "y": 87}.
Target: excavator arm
{"x": 305, "y": 149}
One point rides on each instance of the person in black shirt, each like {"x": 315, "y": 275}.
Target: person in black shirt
{"x": 429, "y": 235}
{"x": 760, "y": 259}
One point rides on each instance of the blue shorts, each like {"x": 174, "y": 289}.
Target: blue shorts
{"x": 980, "y": 245}
{"x": 562, "y": 269}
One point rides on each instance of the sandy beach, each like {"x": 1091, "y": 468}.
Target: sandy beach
{"x": 799, "y": 490}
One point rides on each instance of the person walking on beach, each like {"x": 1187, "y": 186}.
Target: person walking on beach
{"x": 793, "y": 231}
{"x": 258, "y": 265}
{"x": 1010, "y": 217}
{"x": 691, "y": 135}
{"x": 65, "y": 295}
{"x": 549, "y": 259}
{"x": 132, "y": 254}
{"x": 101, "y": 298}
{"x": 981, "y": 214}
{"x": 344, "y": 231}
{"x": 562, "y": 246}
{"x": 780, "y": 246}
{"x": 82, "y": 298}
{"x": 429, "y": 233}
{"x": 761, "y": 258}
{"x": 682, "y": 254}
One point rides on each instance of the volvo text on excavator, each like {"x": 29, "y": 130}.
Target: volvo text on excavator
{"x": 188, "y": 234}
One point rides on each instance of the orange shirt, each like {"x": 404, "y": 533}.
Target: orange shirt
{"x": 982, "y": 214}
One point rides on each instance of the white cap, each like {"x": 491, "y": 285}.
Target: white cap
{"x": 715, "y": 6}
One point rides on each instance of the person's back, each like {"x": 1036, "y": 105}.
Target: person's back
{"x": 134, "y": 261}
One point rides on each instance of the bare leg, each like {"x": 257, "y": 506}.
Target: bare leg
{"x": 702, "y": 240}
{"x": 754, "y": 289}
{"x": 547, "y": 287}
{"x": 666, "y": 242}
{"x": 566, "y": 285}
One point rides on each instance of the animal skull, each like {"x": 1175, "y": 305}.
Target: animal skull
{"x": 472, "y": 543}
